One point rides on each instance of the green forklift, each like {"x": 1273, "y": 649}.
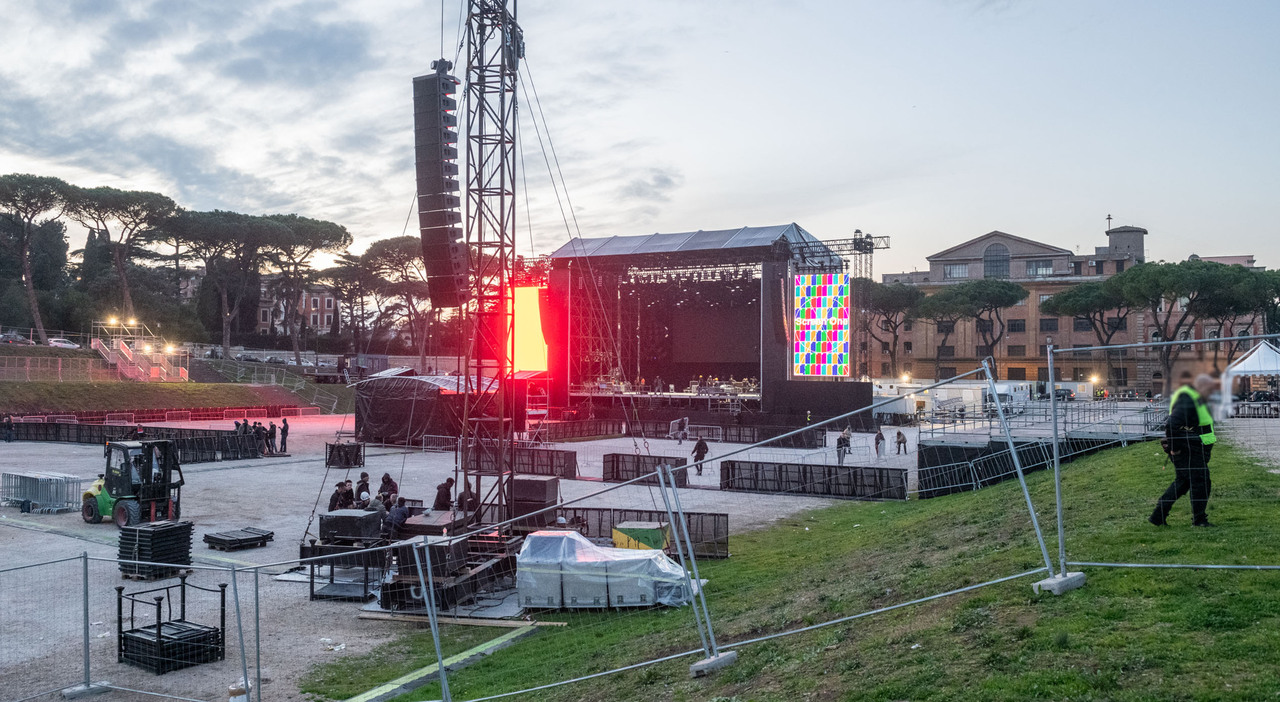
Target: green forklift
{"x": 143, "y": 483}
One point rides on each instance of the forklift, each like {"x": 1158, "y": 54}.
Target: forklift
{"x": 142, "y": 483}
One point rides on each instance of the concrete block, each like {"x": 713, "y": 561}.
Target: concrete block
{"x": 1060, "y": 583}
{"x": 712, "y": 664}
{"x": 78, "y": 691}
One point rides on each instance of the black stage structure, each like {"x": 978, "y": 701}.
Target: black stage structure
{"x": 623, "y": 311}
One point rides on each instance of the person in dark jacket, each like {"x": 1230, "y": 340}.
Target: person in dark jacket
{"x": 8, "y": 429}
{"x": 700, "y": 451}
{"x": 842, "y": 446}
{"x": 397, "y": 517}
{"x": 271, "y": 437}
{"x": 336, "y": 498}
{"x": 444, "y": 495}
{"x": 284, "y": 435}
{"x": 389, "y": 486}
{"x": 363, "y": 486}
{"x": 1189, "y": 441}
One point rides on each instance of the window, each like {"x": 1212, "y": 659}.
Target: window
{"x": 984, "y": 326}
{"x": 1081, "y": 324}
{"x": 1049, "y": 324}
{"x": 1119, "y": 376}
{"x": 884, "y": 347}
{"x": 1080, "y": 375}
{"x": 1117, "y": 324}
{"x": 884, "y": 370}
{"x": 1080, "y": 354}
{"x": 1017, "y": 326}
{"x": 1044, "y": 297}
{"x": 884, "y": 325}
{"x": 1097, "y": 268}
{"x": 1021, "y": 303}
{"x": 1044, "y": 350}
{"x": 1017, "y": 373}
{"x": 906, "y": 368}
{"x": 315, "y": 320}
{"x": 262, "y": 315}
{"x": 906, "y": 326}
{"x": 1039, "y": 268}
{"x": 328, "y": 320}
{"x": 1042, "y": 374}
{"x": 315, "y": 303}
{"x": 328, "y": 303}
{"x": 947, "y": 327}
{"x": 995, "y": 261}
{"x": 1120, "y": 269}
{"x": 955, "y": 271}
{"x": 1077, "y": 267}
{"x": 946, "y": 352}
{"x": 906, "y": 347}
{"x": 945, "y": 372}
{"x": 1016, "y": 352}
{"x": 982, "y": 351}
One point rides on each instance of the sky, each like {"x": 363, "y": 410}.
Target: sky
{"x": 929, "y": 121}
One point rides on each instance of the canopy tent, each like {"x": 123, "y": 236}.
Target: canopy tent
{"x": 1262, "y": 360}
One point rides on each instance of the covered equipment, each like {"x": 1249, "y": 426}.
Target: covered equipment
{"x": 563, "y": 569}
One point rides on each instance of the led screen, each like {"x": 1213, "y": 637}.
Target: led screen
{"x": 530, "y": 347}
{"x": 820, "y": 331}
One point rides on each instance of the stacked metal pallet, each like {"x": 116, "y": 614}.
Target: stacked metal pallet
{"x": 178, "y": 644}
{"x": 161, "y": 547}
{"x": 42, "y": 492}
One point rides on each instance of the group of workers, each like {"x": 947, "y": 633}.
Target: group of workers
{"x": 393, "y": 509}
{"x": 265, "y": 436}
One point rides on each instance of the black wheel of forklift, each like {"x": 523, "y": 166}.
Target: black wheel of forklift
{"x": 126, "y": 513}
{"x": 89, "y": 510}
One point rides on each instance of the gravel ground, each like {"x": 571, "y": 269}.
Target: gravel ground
{"x": 41, "y": 647}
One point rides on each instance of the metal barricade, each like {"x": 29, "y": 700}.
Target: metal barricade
{"x": 45, "y": 493}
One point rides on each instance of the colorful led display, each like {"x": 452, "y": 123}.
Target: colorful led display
{"x": 530, "y": 347}
{"x": 820, "y": 326}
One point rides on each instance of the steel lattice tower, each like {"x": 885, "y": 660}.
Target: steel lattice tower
{"x": 495, "y": 45}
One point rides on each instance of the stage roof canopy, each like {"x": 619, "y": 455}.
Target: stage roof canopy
{"x": 722, "y": 240}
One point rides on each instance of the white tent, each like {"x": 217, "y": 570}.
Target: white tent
{"x": 1261, "y": 360}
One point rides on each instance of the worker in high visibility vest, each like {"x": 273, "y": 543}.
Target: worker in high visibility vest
{"x": 1189, "y": 441}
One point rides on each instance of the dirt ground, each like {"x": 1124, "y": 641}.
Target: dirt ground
{"x": 40, "y": 635}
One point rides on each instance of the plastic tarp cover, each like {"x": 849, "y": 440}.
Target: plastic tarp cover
{"x": 401, "y": 410}
{"x": 563, "y": 569}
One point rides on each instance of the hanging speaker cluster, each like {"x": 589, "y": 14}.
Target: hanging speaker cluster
{"x": 435, "y": 136}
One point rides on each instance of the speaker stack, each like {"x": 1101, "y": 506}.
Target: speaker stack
{"x": 435, "y": 125}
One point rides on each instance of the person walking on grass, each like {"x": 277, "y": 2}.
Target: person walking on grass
{"x": 1189, "y": 441}
{"x": 700, "y": 451}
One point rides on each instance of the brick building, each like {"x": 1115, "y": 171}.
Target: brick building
{"x": 318, "y": 307}
{"x": 1043, "y": 270}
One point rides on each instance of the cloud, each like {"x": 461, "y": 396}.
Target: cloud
{"x": 656, "y": 185}
{"x": 304, "y": 55}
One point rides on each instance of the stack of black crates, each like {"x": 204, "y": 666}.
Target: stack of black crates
{"x": 161, "y": 546}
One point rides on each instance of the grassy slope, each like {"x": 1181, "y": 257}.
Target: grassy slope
{"x": 350, "y": 676}
{"x": 27, "y": 398}
{"x": 1128, "y": 635}
{"x": 45, "y": 351}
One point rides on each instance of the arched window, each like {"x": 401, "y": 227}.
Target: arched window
{"x": 995, "y": 261}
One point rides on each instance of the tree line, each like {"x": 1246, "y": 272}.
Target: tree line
{"x": 1173, "y": 296}
{"x": 141, "y": 245}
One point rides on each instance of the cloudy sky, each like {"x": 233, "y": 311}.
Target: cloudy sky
{"x": 931, "y": 121}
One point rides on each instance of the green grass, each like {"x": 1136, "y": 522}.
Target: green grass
{"x": 46, "y": 352}
{"x": 1128, "y": 635}
{"x": 33, "y": 398}
{"x": 352, "y": 675}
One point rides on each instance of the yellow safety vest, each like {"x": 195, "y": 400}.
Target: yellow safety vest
{"x": 1207, "y": 436}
